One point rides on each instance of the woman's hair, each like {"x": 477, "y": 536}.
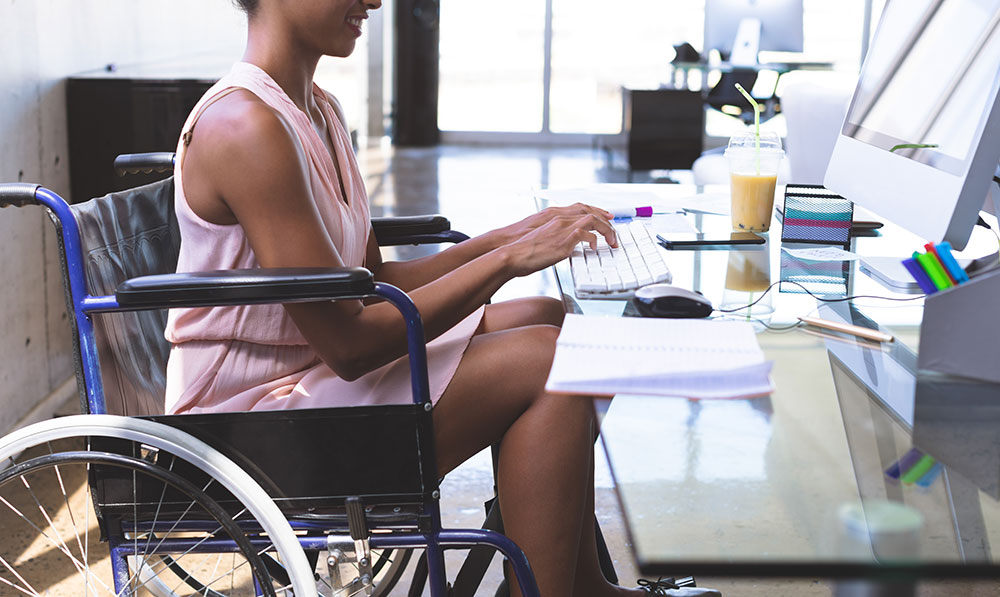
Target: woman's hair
{"x": 247, "y": 6}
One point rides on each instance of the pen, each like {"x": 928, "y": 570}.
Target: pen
{"x": 854, "y": 330}
{"x": 645, "y": 211}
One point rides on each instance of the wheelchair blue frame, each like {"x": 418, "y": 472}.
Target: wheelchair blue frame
{"x": 434, "y": 540}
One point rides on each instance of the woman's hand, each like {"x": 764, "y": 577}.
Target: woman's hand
{"x": 509, "y": 234}
{"x": 555, "y": 239}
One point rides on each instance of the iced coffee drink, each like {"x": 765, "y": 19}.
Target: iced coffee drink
{"x": 753, "y": 173}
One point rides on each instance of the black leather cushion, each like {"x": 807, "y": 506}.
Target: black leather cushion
{"x": 246, "y": 286}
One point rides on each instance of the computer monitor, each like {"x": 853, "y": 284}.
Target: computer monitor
{"x": 768, "y": 25}
{"x": 931, "y": 77}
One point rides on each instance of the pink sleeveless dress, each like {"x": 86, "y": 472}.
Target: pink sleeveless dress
{"x": 253, "y": 357}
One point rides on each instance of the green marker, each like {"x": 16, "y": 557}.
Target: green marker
{"x": 933, "y": 269}
{"x": 919, "y": 469}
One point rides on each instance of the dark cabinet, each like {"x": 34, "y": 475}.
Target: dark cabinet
{"x": 126, "y": 111}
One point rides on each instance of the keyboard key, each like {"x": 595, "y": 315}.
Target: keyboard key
{"x": 616, "y": 272}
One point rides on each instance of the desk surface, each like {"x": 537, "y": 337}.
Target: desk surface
{"x": 767, "y": 486}
{"x": 784, "y": 66}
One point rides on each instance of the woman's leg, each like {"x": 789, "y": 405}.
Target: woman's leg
{"x": 546, "y": 451}
{"x": 535, "y": 310}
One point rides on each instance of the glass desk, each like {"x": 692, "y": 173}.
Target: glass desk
{"x": 774, "y": 486}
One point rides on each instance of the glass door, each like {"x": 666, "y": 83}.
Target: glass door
{"x": 492, "y": 57}
{"x": 554, "y": 71}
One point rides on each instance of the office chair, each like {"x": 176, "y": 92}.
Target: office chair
{"x": 726, "y": 98}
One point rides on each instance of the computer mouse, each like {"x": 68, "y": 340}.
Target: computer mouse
{"x": 665, "y": 300}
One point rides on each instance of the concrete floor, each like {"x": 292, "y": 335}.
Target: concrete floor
{"x": 480, "y": 188}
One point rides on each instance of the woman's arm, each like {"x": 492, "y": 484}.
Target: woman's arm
{"x": 415, "y": 273}
{"x": 245, "y": 160}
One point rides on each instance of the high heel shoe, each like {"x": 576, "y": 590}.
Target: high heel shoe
{"x": 676, "y": 587}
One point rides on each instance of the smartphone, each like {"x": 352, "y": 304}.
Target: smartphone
{"x": 702, "y": 240}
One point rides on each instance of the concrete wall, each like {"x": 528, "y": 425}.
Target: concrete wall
{"x": 43, "y": 42}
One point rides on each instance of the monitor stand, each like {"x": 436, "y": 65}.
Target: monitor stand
{"x": 746, "y": 44}
{"x": 891, "y": 273}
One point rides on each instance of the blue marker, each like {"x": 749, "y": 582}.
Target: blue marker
{"x": 948, "y": 260}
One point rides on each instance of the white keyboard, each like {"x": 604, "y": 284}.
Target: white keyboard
{"x": 617, "y": 272}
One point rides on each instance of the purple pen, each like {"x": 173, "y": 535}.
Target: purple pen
{"x": 632, "y": 212}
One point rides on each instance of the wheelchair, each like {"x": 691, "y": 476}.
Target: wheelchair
{"x": 124, "y": 500}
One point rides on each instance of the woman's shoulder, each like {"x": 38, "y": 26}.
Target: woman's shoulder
{"x": 241, "y": 117}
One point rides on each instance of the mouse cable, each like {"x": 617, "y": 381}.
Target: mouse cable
{"x": 775, "y": 328}
{"x": 820, "y": 298}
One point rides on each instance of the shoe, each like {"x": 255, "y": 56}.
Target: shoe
{"x": 679, "y": 587}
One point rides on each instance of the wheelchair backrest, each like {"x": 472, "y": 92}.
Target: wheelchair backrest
{"x": 124, "y": 235}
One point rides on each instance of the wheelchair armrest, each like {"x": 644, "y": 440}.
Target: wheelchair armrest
{"x": 391, "y": 228}
{"x": 135, "y": 163}
{"x": 244, "y": 287}
{"x": 415, "y": 230}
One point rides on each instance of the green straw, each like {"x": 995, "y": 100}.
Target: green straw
{"x": 910, "y": 145}
{"x": 756, "y": 121}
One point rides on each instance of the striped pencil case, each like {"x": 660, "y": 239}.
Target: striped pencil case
{"x": 813, "y": 214}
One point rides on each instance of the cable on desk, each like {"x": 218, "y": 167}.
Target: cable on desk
{"x": 820, "y": 298}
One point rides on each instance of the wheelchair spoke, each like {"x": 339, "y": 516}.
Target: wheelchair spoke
{"x": 237, "y": 567}
{"x": 69, "y": 510}
{"x": 29, "y": 591}
{"x": 135, "y": 531}
{"x": 48, "y": 519}
{"x": 156, "y": 573}
{"x": 156, "y": 518}
{"x": 60, "y": 546}
{"x": 86, "y": 536}
{"x": 76, "y": 532}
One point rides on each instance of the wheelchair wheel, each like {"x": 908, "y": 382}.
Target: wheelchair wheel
{"x": 72, "y": 488}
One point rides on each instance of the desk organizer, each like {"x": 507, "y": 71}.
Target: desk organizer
{"x": 960, "y": 333}
{"x": 813, "y": 214}
{"x": 827, "y": 278}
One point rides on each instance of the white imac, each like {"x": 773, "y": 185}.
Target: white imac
{"x": 931, "y": 77}
{"x": 741, "y": 28}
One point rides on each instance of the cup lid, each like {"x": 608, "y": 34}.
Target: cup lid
{"x": 746, "y": 139}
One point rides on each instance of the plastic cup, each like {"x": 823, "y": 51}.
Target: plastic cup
{"x": 887, "y": 531}
{"x": 753, "y": 174}
{"x": 748, "y": 275}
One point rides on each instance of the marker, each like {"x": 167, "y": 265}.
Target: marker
{"x": 918, "y": 273}
{"x": 645, "y": 211}
{"x": 933, "y": 268}
{"x": 948, "y": 260}
{"x": 921, "y": 468}
{"x": 930, "y": 248}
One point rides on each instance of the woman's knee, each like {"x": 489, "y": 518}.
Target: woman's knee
{"x": 549, "y": 310}
{"x": 533, "y": 349}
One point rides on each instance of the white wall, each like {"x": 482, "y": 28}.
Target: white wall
{"x": 43, "y": 42}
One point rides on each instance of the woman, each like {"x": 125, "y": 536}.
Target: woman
{"x": 266, "y": 178}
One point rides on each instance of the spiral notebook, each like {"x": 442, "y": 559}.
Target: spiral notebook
{"x": 692, "y": 358}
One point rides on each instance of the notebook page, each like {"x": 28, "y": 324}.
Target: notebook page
{"x": 676, "y": 357}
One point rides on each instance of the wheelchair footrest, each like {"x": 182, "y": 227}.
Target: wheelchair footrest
{"x": 354, "y": 550}
{"x": 355, "y": 554}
